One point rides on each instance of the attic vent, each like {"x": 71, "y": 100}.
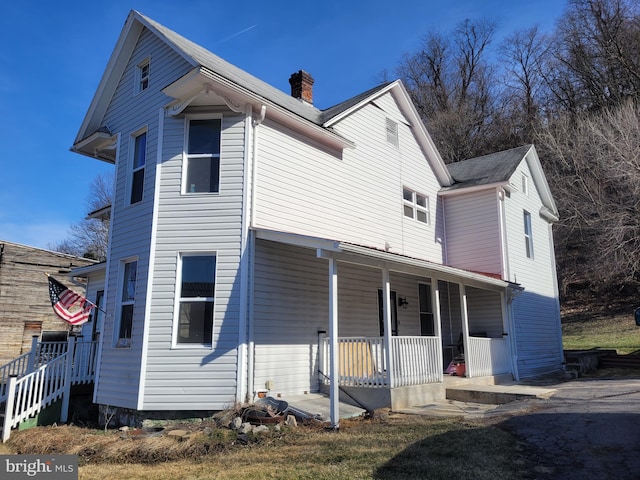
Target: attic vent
{"x": 392, "y": 132}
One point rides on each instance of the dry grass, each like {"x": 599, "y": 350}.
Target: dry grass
{"x": 388, "y": 446}
{"x": 605, "y": 332}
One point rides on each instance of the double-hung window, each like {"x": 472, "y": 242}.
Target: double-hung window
{"x": 528, "y": 235}
{"x": 142, "y": 76}
{"x": 202, "y": 165}
{"x": 139, "y": 144}
{"x": 196, "y": 299}
{"x": 415, "y": 205}
{"x": 127, "y": 298}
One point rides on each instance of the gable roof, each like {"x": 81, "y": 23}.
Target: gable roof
{"x": 232, "y": 83}
{"x": 496, "y": 169}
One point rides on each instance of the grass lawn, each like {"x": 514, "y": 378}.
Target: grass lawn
{"x": 389, "y": 446}
{"x": 605, "y": 332}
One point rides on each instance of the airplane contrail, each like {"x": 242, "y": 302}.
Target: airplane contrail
{"x": 236, "y": 34}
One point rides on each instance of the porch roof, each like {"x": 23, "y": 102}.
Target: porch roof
{"x": 374, "y": 257}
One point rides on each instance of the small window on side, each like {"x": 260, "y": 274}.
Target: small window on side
{"x": 142, "y": 76}
{"x": 139, "y": 161}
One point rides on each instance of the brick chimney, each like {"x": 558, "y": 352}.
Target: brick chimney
{"x": 302, "y": 86}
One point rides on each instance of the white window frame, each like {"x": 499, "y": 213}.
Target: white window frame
{"x": 186, "y": 156}
{"x": 179, "y": 299}
{"x": 413, "y": 205}
{"x": 528, "y": 235}
{"x": 142, "y": 77}
{"x": 123, "y": 341}
{"x": 133, "y": 160}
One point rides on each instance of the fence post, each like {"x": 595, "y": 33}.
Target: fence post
{"x": 68, "y": 371}
{"x": 31, "y": 364}
{"x": 8, "y": 409}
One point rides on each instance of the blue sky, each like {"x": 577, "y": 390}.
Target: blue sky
{"x": 54, "y": 53}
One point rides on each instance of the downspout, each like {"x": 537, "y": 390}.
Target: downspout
{"x": 504, "y": 252}
{"x": 253, "y": 129}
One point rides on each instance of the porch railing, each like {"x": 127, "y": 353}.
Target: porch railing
{"x": 416, "y": 361}
{"x": 362, "y": 361}
{"x": 36, "y": 379}
{"x": 41, "y": 353}
{"x": 487, "y": 356}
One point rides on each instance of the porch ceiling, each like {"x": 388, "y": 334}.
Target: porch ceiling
{"x": 361, "y": 255}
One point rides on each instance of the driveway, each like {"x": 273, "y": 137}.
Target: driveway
{"x": 590, "y": 429}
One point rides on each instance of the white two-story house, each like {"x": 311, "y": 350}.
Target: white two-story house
{"x": 260, "y": 244}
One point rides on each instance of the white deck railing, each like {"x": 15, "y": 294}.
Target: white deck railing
{"x": 37, "y": 379}
{"x": 362, "y": 361}
{"x": 487, "y": 356}
{"x": 416, "y": 361}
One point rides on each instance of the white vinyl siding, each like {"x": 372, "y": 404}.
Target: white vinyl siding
{"x": 131, "y": 225}
{"x": 535, "y": 310}
{"x": 354, "y": 195}
{"x": 196, "y": 377}
{"x": 473, "y": 231}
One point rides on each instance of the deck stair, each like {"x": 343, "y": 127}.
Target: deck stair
{"x": 36, "y": 379}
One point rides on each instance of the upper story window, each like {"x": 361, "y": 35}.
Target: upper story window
{"x": 415, "y": 205}
{"x": 139, "y": 144}
{"x": 142, "y": 76}
{"x": 392, "y": 132}
{"x": 129, "y": 273}
{"x": 202, "y": 163}
{"x": 528, "y": 234}
{"x": 196, "y": 299}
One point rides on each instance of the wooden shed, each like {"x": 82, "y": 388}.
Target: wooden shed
{"x": 25, "y": 307}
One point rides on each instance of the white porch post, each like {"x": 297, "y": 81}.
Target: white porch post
{"x": 465, "y": 327}
{"x": 334, "y": 375}
{"x": 386, "y": 308}
{"x": 437, "y": 319}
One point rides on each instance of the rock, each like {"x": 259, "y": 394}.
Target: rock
{"x": 179, "y": 434}
{"x": 207, "y": 431}
{"x": 236, "y": 423}
{"x": 124, "y": 429}
{"x": 277, "y": 428}
{"x": 246, "y": 428}
{"x": 260, "y": 429}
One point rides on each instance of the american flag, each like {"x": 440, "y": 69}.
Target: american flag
{"x": 68, "y": 305}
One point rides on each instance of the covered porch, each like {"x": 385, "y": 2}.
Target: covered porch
{"x": 395, "y": 323}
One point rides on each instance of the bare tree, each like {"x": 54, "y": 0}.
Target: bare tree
{"x": 452, "y": 84}
{"x": 593, "y": 164}
{"x": 597, "y": 55}
{"x": 524, "y": 55}
{"x": 90, "y": 237}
